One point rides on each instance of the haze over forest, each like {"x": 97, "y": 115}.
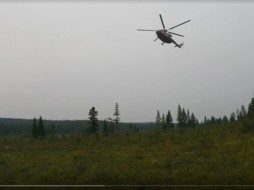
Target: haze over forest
{"x": 58, "y": 59}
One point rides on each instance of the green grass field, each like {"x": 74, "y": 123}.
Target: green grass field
{"x": 202, "y": 155}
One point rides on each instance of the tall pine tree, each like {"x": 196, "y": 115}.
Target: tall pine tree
{"x": 35, "y": 129}
{"x": 232, "y": 117}
{"x": 158, "y": 120}
{"x": 192, "y": 120}
{"x": 179, "y": 116}
{"x": 184, "y": 118}
{"x": 205, "y": 120}
{"x": 243, "y": 112}
{"x": 225, "y": 119}
{"x": 238, "y": 114}
{"x": 169, "y": 120}
{"x": 116, "y": 114}
{"x": 93, "y": 120}
{"x": 213, "y": 120}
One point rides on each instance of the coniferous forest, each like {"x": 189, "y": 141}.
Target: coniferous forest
{"x": 184, "y": 151}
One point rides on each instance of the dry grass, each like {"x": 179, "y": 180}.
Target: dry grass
{"x": 207, "y": 156}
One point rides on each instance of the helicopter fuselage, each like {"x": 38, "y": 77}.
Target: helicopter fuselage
{"x": 164, "y": 36}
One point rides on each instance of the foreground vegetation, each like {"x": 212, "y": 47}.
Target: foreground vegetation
{"x": 221, "y": 154}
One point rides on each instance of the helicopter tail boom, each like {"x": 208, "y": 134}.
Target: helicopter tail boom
{"x": 179, "y": 46}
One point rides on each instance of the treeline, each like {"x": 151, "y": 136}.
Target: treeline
{"x": 184, "y": 119}
{"x": 187, "y": 119}
{"x": 241, "y": 115}
{"x": 12, "y": 126}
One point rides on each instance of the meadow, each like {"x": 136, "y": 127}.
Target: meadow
{"x": 221, "y": 155}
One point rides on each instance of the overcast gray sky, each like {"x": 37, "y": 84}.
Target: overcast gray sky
{"x": 59, "y": 59}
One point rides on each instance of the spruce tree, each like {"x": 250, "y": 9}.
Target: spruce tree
{"x": 158, "y": 120}
{"x": 169, "y": 120}
{"x": 218, "y": 120}
{"x": 205, "y": 120}
{"x": 93, "y": 120}
{"x": 179, "y": 116}
{"x": 192, "y": 120}
{"x": 184, "y": 118}
{"x": 232, "y": 117}
{"x": 41, "y": 129}
{"x": 225, "y": 119}
{"x": 116, "y": 114}
{"x": 196, "y": 122}
{"x": 243, "y": 112}
{"x": 213, "y": 120}
{"x": 35, "y": 129}
{"x": 238, "y": 117}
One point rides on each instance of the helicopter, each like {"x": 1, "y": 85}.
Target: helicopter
{"x": 164, "y": 35}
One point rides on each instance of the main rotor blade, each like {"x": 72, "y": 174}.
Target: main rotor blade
{"x": 145, "y": 30}
{"x": 176, "y": 34}
{"x": 162, "y": 22}
{"x": 179, "y": 25}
